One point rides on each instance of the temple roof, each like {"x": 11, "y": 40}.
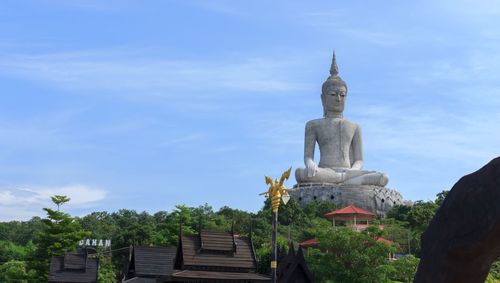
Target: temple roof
{"x": 75, "y": 261}
{"x": 154, "y": 261}
{"x": 198, "y": 275}
{"x": 293, "y": 268}
{"x": 147, "y": 264}
{"x": 218, "y": 255}
{"x": 217, "y": 241}
{"x": 73, "y": 268}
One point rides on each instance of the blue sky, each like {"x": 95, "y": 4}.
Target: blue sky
{"x": 148, "y": 104}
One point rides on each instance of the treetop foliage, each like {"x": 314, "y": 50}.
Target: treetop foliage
{"x": 26, "y": 247}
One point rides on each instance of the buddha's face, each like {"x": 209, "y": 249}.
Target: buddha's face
{"x": 333, "y": 98}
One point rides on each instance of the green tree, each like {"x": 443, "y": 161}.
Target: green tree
{"x": 421, "y": 214}
{"x": 242, "y": 220}
{"x": 107, "y": 271}
{"x": 60, "y": 200}
{"x": 491, "y": 279}
{"x": 400, "y": 233}
{"x": 495, "y": 271}
{"x": 317, "y": 226}
{"x": 318, "y": 208}
{"x": 14, "y": 271}
{"x": 101, "y": 224}
{"x": 416, "y": 218}
{"x": 348, "y": 256}
{"x": 263, "y": 254}
{"x": 399, "y": 213}
{"x": 59, "y": 236}
{"x": 20, "y": 232}
{"x": 405, "y": 268}
{"x": 441, "y": 196}
{"x": 10, "y": 251}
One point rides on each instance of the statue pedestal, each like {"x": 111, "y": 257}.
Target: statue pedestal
{"x": 376, "y": 199}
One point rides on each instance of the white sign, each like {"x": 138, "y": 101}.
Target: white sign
{"x": 95, "y": 243}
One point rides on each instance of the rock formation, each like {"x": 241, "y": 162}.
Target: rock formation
{"x": 463, "y": 238}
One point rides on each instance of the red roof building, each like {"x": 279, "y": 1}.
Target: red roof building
{"x": 384, "y": 240}
{"x": 311, "y": 243}
{"x": 352, "y": 214}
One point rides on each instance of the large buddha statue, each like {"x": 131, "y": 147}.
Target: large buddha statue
{"x": 339, "y": 140}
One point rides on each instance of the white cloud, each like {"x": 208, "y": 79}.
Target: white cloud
{"x": 431, "y": 134}
{"x": 25, "y": 202}
{"x": 133, "y": 74}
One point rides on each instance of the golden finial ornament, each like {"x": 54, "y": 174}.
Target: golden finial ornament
{"x": 277, "y": 190}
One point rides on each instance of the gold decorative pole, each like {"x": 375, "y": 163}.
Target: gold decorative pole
{"x": 276, "y": 192}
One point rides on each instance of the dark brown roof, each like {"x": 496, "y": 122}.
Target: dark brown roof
{"x": 293, "y": 268}
{"x": 193, "y": 256}
{"x": 217, "y": 241}
{"x": 75, "y": 261}
{"x": 154, "y": 261}
{"x": 86, "y": 273}
{"x": 141, "y": 280}
{"x": 215, "y": 275}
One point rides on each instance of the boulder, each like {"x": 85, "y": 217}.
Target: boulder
{"x": 463, "y": 238}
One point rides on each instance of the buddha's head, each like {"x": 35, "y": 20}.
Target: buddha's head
{"x": 333, "y": 91}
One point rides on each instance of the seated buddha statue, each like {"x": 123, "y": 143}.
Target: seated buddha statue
{"x": 339, "y": 141}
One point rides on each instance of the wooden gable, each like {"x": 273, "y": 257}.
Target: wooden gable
{"x": 217, "y": 251}
{"x": 214, "y": 256}
{"x": 73, "y": 267}
{"x": 150, "y": 262}
{"x": 292, "y": 268}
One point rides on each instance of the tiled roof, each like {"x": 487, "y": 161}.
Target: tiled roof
{"x": 217, "y": 241}
{"x": 215, "y": 275}
{"x": 384, "y": 240}
{"x": 194, "y": 255}
{"x": 351, "y": 209}
{"x": 309, "y": 243}
{"x": 154, "y": 261}
{"x": 85, "y": 274}
{"x": 75, "y": 261}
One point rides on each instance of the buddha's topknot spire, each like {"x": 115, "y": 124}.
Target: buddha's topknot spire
{"x": 334, "y": 78}
{"x": 334, "y": 69}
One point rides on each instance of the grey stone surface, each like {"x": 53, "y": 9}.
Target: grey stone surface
{"x": 339, "y": 140}
{"x": 376, "y": 199}
{"x": 339, "y": 176}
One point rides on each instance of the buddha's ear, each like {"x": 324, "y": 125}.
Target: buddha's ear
{"x": 323, "y": 104}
